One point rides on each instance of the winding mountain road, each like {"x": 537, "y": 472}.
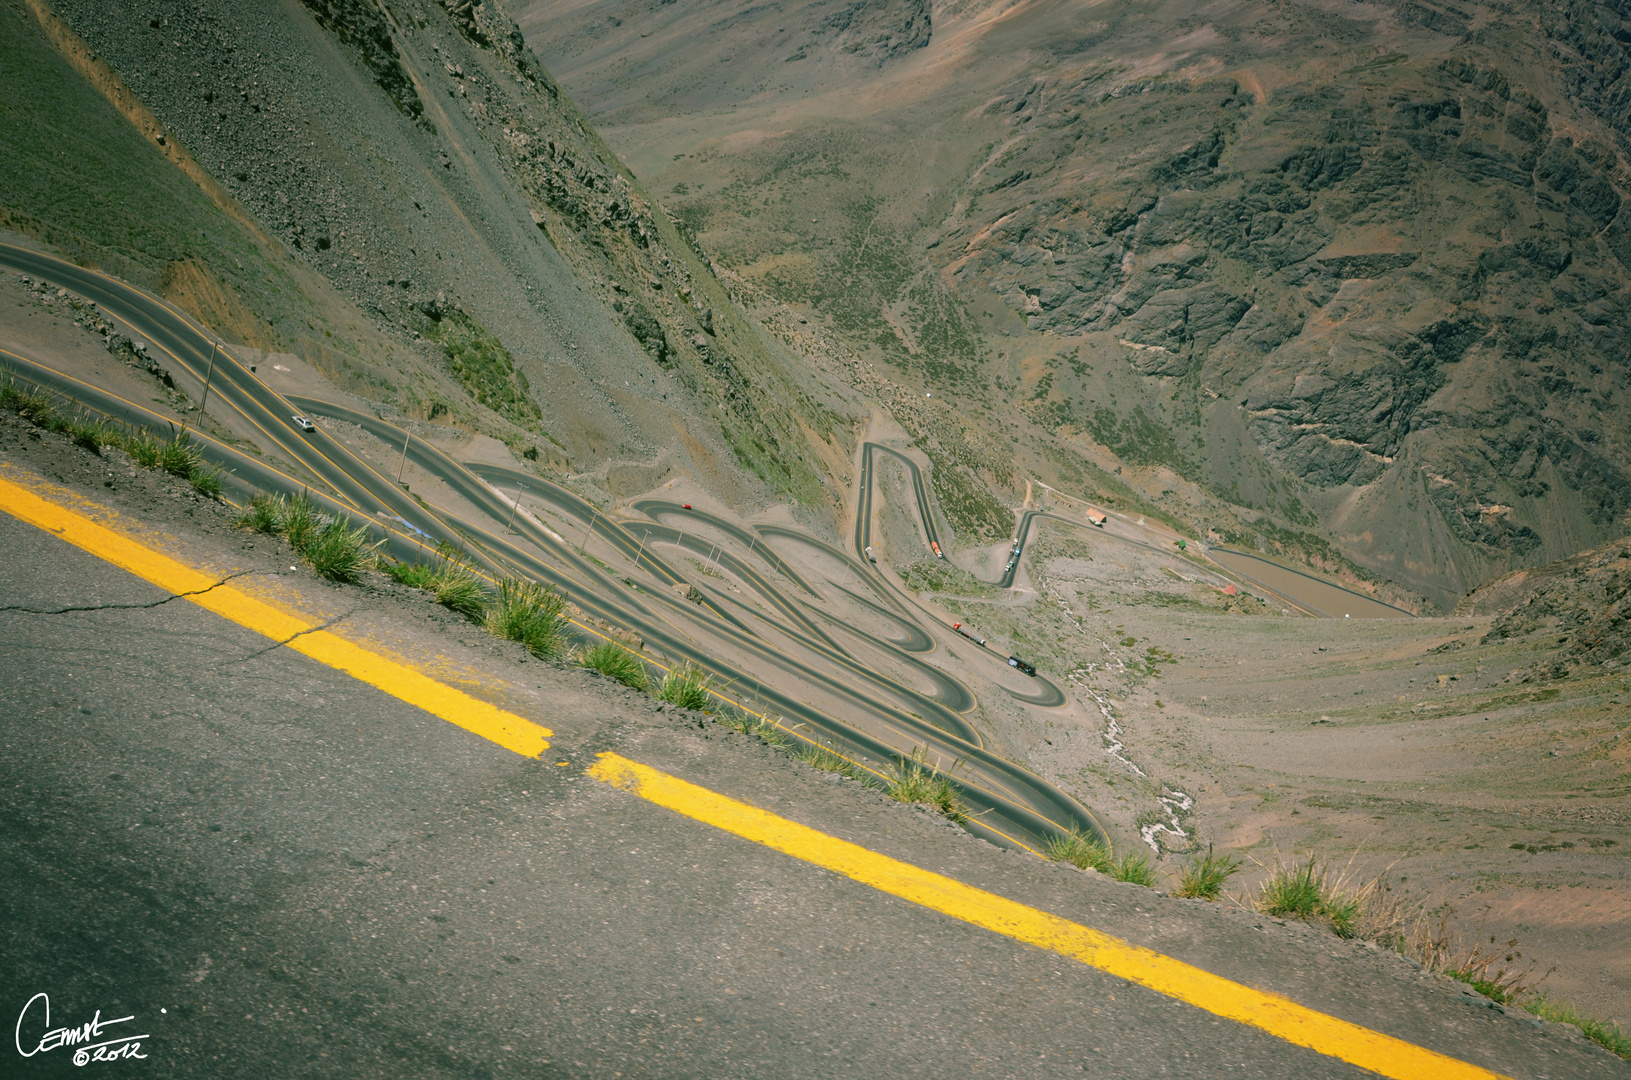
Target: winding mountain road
{"x": 882, "y": 719}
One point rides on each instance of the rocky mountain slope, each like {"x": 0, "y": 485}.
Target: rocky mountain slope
{"x": 1584, "y": 600}
{"x": 502, "y": 271}
{"x": 1358, "y": 273}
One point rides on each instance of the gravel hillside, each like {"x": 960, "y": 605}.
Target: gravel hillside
{"x": 417, "y": 157}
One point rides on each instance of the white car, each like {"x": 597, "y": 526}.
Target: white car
{"x": 303, "y": 423}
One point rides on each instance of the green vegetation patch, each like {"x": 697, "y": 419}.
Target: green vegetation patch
{"x": 331, "y": 546}
{"x": 527, "y": 612}
{"x": 616, "y": 662}
{"x": 911, "y": 780}
{"x": 685, "y": 686}
{"x": 484, "y": 366}
{"x": 1205, "y": 876}
{"x": 969, "y": 505}
{"x": 937, "y": 575}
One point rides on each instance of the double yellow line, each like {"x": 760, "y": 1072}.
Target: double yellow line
{"x": 1271, "y": 1013}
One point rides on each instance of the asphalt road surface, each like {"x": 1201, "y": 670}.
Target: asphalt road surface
{"x": 276, "y": 871}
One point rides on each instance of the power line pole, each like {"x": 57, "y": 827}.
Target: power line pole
{"x": 514, "y": 507}
{"x": 206, "y": 398}
{"x": 406, "y": 435}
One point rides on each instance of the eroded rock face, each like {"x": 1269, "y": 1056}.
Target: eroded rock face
{"x": 1412, "y": 266}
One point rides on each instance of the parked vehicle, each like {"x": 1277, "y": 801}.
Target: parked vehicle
{"x": 1025, "y": 666}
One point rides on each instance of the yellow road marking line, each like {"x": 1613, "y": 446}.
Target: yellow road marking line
{"x": 404, "y": 683}
{"x": 1268, "y": 1012}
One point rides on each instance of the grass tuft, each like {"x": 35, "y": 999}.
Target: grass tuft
{"x": 459, "y": 588}
{"x": 180, "y": 456}
{"x": 767, "y": 728}
{"x": 1609, "y": 1036}
{"x": 413, "y": 575}
{"x": 300, "y": 521}
{"x": 340, "y": 552}
{"x": 912, "y": 781}
{"x": 261, "y": 514}
{"x": 615, "y": 662}
{"x": 1081, "y": 851}
{"x": 1205, "y": 876}
{"x": 819, "y": 757}
{"x": 685, "y": 686}
{"x": 144, "y": 449}
{"x": 527, "y": 612}
{"x": 1134, "y": 868}
{"x": 1304, "y": 890}
{"x": 206, "y": 480}
{"x": 333, "y": 548}
{"x": 93, "y": 433}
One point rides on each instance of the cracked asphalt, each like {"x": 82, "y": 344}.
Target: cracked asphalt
{"x": 277, "y": 871}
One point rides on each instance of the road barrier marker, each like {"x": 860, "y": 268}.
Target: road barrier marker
{"x": 292, "y": 631}
{"x": 1276, "y": 1015}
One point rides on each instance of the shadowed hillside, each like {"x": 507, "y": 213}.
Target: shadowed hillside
{"x": 414, "y": 168}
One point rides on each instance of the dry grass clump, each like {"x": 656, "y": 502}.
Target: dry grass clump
{"x": 820, "y": 757}
{"x": 911, "y": 780}
{"x": 766, "y": 728}
{"x": 1205, "y": 876}
{"x": 685, "y": 686}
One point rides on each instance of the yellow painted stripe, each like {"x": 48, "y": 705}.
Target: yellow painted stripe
{"x": 299, "y": 634}
{"x": 1272, "y": 1013}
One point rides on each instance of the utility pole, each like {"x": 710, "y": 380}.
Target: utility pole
{"x": 587, "y": 529}
{"x": 406, "y": 436}
{"x": 206, "y": 398}
{"x": 642, "y": 551}
{"x": 514, "y": 507}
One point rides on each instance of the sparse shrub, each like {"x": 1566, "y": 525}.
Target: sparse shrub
{"x": 912, "y": 781}
{"x": 260, "y": 514}
{"x": 615, "y": 662}
{"x": 1080, "y": 850}
{"x": 685, "y": 686}
{"x": 527, "y": 612}
{"x": 1205, "y": 876}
